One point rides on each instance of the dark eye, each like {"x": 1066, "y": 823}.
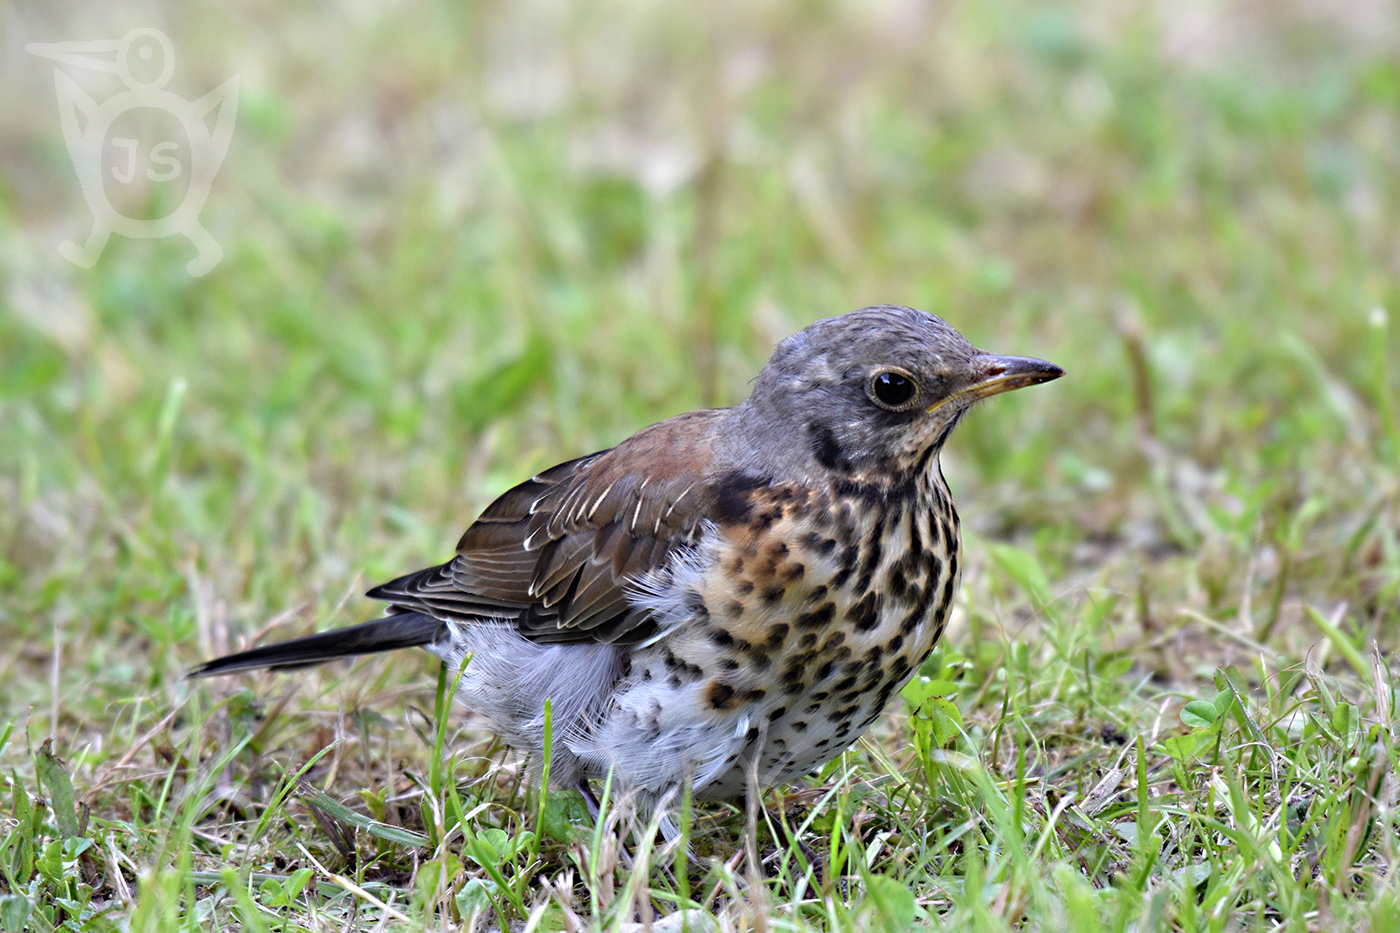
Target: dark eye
{"x": 892, "y": 389}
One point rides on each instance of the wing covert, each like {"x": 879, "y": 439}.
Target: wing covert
{"x": 556, "y": 553}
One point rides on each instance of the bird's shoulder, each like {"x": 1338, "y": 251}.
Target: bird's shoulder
{"x": 557, "y": 553}
{"x": 653, "y": 484}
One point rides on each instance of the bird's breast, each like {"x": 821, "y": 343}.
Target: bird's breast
{"x": 808, "y": 615}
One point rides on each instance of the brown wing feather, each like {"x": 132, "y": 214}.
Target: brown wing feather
{"x": 556, "y": 553}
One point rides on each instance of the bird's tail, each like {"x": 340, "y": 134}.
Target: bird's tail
{"x": 400, "y": 630}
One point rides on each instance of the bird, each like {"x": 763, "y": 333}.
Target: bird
{"x": 726, "y": 598}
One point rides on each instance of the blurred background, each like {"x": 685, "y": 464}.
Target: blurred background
{"x": 463, "y": 243}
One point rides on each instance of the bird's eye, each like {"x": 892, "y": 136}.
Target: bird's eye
{"x": 893, "y": 389}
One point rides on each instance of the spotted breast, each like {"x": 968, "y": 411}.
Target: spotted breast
{"x": 804, "y": 610}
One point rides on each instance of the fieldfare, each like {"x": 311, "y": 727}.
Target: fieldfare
{"x": 725, "y": 593}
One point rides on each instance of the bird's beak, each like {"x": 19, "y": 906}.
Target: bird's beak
{"x": 79, "y": 53}
{"x": 997, "y": 374}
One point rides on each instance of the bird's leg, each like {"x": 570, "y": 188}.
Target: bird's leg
{"x": 595, "y": 812}
{"x": 782, "y": 832}
{"x": 590, "y": 799}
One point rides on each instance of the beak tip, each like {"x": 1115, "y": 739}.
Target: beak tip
{"x": 1025, "y": 367}
{"x": 1005, "y": 373}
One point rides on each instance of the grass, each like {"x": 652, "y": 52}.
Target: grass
{"x": 463, "y": 244}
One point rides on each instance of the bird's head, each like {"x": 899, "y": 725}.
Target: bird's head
{"x": 872, "y": 394}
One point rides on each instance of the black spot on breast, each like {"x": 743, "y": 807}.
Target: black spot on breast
{"x": 894, "y": 507}
{"x": 946, "y": 599}
{"x": 721, "y": 638}
{"x": 863, "y": 615}
{"x": 916, "y": 538}
{"x": 933, "y": 565}
{"x": 777, "y": 635}
{"x": 720, "y": 695}
{"x": 817, "y": 618}
{"x": 922, "y": 465}
{"x": 909, "y": 572}
{"x": 950, "y": 532}
{"x": 843, "y": 715}
{"x": 774, "y": 593}
{"x": 886, "y": 692}
{"x": 850, "y": 555}
{"x": 921, "y": 608}
{"x": 674, "y": 663}
{"x": 733, "y": 497}
{"x": 872, "y": 557}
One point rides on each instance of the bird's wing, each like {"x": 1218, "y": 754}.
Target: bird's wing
{"x": 556, "y": 553}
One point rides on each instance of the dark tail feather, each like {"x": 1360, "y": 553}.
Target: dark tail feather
{"x": 401, "y": 630}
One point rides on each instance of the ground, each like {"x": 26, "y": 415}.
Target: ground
{"x": 463, "y": 244}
